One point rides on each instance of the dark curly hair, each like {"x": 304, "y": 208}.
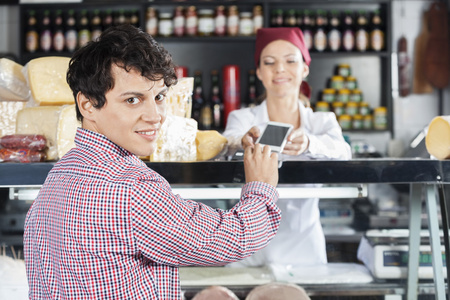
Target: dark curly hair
{"x": 126, "y": 46}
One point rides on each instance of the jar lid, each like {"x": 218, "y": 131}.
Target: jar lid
{"x": 322, "y": 103}
{"x": 380, "y": 109}
{"x": 344, "y": 91}
{"x": 337, "y": 77}
{"x": 351, "y": 78}
{"x": 329, "y": 91}
{"x": 345, "y": 117}
{"x": 337, "y": 103}
{"x": 353, "y": 104}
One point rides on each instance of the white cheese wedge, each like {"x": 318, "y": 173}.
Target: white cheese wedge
{"x": 8, "y": 113}
{"x": 13, "y": 85}
{"x": 437, "y": 140}
{"x": 47, "y": 80}
{"x": 57, "y": 123}
{"x": 176, "y": 141}
{"x": 179, "y": 98}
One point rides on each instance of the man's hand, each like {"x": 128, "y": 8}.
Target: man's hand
{"x": 260, "y": 164}
{"x": 297, "y": 142}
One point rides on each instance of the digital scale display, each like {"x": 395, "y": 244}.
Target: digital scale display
{"x": 393, "y": 258}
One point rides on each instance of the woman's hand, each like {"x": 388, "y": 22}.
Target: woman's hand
{"x": 260, "y": 164}
{"x": 250, "y": 137}
{"x": 297, "y": 142}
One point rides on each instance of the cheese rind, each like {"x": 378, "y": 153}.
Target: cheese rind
{"x": 13, "y": 85}
{"x": 210, "y": 143}
{"x": 8, "y": 112}
{"x": 47, "y": 80}
{"x": 437, "y": 140}
{"x": 57, "y": 123}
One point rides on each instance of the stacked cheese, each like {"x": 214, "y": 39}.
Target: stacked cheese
{"x": 437, "y": 139}
{"x": 14, "y": 93}
{"x": 54, "y": 113}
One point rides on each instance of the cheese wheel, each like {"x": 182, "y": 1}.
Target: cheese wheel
{"x": 179, "y": 98}
{"x": 57, "y": 123}
{"x": 8, "y": 113}
{"x": 13, "y": 85}
{"x": 47, "y": 80}
{"x": 216, "y": 293}
{"x": 437, "y": 140}
{"x": 209, "y": 144}
{"x": 277, "y": 291}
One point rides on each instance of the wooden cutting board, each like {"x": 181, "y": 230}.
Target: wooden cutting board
{"x": 421, "y": 85}
{"x": 437, "y": 56}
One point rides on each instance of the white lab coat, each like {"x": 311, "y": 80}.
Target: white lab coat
{"x": 300, "y": 239}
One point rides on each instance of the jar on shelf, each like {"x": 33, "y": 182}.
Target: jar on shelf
{"x": 368, "y": 122}
{"x": 345, "y": 121}
{"x": 344, "y": 70}
{"x": 205, "y": 22}
{"x": 220, "y": 21}
{"x": 233, "y": 21}
{"x": 364, "y": 109}
{"x": 322, "y": 106}
{"x": 337, "y": 82}
{"x": 245, "y": 23}
{"x": 380, "y": 118}
{"x": 357, "y": 122}
{"x": 328, "y": 95}
{"x": 343, "y": 95}
{"x": 351, "y": 108}
{"x": 338, "y": 108}
{"x": 179, "y": 21}
{"x": 356, "y": 96}
{"x": 191, "y": 21}
{"x": 165, "y": 24}
{"x": 351, "y": 83}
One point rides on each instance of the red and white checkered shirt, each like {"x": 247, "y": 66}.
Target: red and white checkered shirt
{"x": 105, "y": 226}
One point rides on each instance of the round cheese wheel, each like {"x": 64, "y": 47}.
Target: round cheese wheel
{"x": 437, "y": 139}
{"x": 277, "y": 291}
{"x": 216, "y": 293}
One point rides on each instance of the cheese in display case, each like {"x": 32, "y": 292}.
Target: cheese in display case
{"x": 13, "y": 85}
{"x": 57, "y": 123}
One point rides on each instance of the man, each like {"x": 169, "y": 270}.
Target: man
{"x": 104, "y": 225}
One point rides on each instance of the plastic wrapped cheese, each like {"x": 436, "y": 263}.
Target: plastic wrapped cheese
{"x": 8, "y": 113}
{"x": 57, "y": 123}
{"x": 437, "y": 140}
{"x": 47, "y": 80}
{"x": 210, "y": 143}
{"x": 179, "y": 98}
{"x": 176, "y": 141}
{"x": 13, "y": 85}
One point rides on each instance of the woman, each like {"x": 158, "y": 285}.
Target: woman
{"x": 282, "y": 61}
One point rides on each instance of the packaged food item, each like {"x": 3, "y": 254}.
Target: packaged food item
{"x": 337, "y": 82}
{"x": 364, "y": 108}
{"x": 21, "y": 155}
{"x": 46, "y": 78}
{"x": 329, "y": 95}
{"x": 57, "y": 123}
{"x": 210, "y": 143}
{"x": 351, "y": 83}
{"x": 345, "y": 121}
{"x": 25, "y": 141}
{"x": 344, "y": 70}
{"x": 343, "y": 95}
{"x": 357, "y": 122}
{"x": 205, "y": 22}
{"x": 437, "y": 140}
{"x": 351, "y": 108}
{"x": 322, "y": 106}
{"x": 338, "y": 108}
{"x": 380, "y": 118}
{"x": 368, "y": 122}
{"x": 356, "y": 96}
{"x": 13, "y": 85}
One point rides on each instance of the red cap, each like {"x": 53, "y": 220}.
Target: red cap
{"x": 264, "y": 36}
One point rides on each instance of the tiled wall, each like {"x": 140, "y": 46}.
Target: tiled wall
{"x": 411, "y": 113}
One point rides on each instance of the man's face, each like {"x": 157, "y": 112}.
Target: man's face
{"x": 133, "y": 113}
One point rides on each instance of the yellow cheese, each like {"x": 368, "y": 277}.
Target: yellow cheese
{"x": 13, "y": 85}
{"x": 57, "y": 123}
{"x": 47, "y": 80}
{"x": 8, "y": 113}
{"x": 179, "y": 98}
{"x": 210, "y": 143}
{"x": 176, "y": 141}
{"x": 437, "y": 139}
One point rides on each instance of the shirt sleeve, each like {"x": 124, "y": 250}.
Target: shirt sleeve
{"x": 326, "y": 139}
{"x": 237, "y": 125}
{"x": 174, "y": 231}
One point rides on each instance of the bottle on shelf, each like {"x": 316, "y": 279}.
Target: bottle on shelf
{"x": 107, "y": 19}
{"x": 31, "y": 34}
{"x": 320, "y": 34}
{"x": 197, "y": 98}
{"x": 134, "y": 17}
{"x": 71, "y": 33}
{"x": 251, "y": 91}
{"x": 276, "y": 18}
{"x": 299, "y": 17}
{"x": 58, "y": 32}
{"x": 84, "y": 33}
{"x": 307, "y": 29}
{"x": 216, "y": 102}
{"x": 96, "y": 25}
{"x": 334, "y": 32}
{"x": 290, "y": 18}
{"x": 348, "y": 31}
{"x": 120, "y": 17}
{"x": 404, "y": 84}
{"x": 362, "y": 34}
{"x": 376, "y": 32}
{"x": 45, "y": 41}
{"x": 179, "y": 21}
{"x": 151, "y": 25}
{"x": 233, "y": 21}
{"x": 258, "y": 18}
{"x": 220, "y": 21}
{"x": 191, "y": 21}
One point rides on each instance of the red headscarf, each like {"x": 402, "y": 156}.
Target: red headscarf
{"x": 264, "y": 36}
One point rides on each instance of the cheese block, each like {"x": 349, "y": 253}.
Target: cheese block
{"x": 8, "y": 113}
{"x": 13, "y": 85}
{"x": 176, "y": 141}
{"x": 209, "y": 144}
{"x": 179, "y": 98}
{"x": 57, "y": 123}
{"x": 437, "y": 140}
{"x": 47, "y": 80}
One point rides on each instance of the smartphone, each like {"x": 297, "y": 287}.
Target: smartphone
{"x": 275, "y": 135}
